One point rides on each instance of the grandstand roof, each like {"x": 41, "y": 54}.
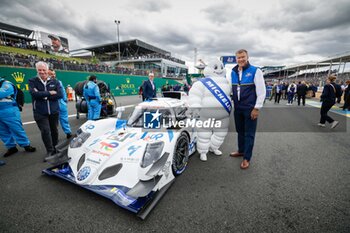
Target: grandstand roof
{"x": 333, "y": 60}
{"x": 134, "y": 45}
{"x": 12, "y": 36}
{"x": 15, "y": 29}
{"x": 344, "y": 57}
{"x": 306, "y": 66}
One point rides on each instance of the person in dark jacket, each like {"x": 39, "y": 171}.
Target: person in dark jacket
{"x": 278, "y": 92}
{"x": 330, "y": 92}
{"x": 141, "y": 91}
{"x": 346, "y": 105}
{"x": 149, "y": 88}
{"x": 301, "y": 92}
{"x": 45, "y": 94}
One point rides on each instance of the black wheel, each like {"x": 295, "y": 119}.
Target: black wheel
{"x": 181, "y": 153}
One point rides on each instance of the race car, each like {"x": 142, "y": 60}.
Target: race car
{"x": 132, "y": 162}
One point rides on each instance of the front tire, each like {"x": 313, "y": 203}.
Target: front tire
{"x": 181, "y": 154}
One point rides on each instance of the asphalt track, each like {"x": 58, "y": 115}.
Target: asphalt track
{"x": 299, "y": 181}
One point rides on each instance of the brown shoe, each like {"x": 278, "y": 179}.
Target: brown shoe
{"x": 244, "y": 164}
{"x": 236, "y": 154}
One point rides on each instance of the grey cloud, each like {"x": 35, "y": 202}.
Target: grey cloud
{"x": 63, "y": 21}
{"x": 222, "y": 13}
{"x": 151, "y": 5}
{"x": 326, "y": 44}
{"x": 320, "y": 29}
{"x": 307, "y": 16}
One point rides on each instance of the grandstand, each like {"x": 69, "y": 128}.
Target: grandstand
{"x": 136, "y": 55}
{"x": 315, "y": 72}
{"x": 17, "y": 36}
{"x": 23, "y": 47}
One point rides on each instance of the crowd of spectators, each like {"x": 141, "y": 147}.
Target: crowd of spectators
{"x": 21, "y": 60}
{"x": 315, "y": 78}
{"x": 152, "y": 56}
{"x": 23, "y": 44}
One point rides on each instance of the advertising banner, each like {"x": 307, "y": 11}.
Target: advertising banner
{"x": 53, "y": 43}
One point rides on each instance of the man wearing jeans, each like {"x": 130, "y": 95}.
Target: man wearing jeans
{"x": 248, "y": 88}
{"x": 45, "y": 94}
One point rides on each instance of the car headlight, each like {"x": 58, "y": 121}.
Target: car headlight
{"x": 152, "y": 153}
{"x": 79, "y": 140}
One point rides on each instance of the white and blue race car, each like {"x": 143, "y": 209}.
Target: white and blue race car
{"x": 132, "y": 162}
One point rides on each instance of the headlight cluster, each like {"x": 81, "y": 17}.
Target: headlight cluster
{"x": 79, "y": 140}
{"x": 152, "y": 153}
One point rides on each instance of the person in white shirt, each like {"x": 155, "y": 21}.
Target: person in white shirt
{"x": 248, "y": 94}
{"x": 292, "y": 89}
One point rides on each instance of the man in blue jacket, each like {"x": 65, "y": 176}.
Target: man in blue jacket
{"x": 63, "y": 108}
{"x": 45, "y": 94}
{"x": 248, "y": 89}
{"x": 11, "y": 129}
{"x": 92, "y": 95}
{"x": 149, "y": 88}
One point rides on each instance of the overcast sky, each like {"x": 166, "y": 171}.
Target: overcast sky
{"x": 275, "y": 32}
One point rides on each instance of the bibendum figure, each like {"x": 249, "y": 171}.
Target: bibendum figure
{"x": 210, "y": 98}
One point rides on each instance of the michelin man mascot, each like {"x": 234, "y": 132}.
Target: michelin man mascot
{"x": 210, "y": 97}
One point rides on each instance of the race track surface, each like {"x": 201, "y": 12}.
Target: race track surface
{"x": 299, "y": 181}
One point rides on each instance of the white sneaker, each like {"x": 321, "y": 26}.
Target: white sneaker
{"x": 334, "y": 124}
{"x": 321, "y": 125}
{"x": 216, "y": 152}
{"x": 203, "y": 157}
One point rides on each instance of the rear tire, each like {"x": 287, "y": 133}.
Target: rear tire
{"x": 181, "y": 154}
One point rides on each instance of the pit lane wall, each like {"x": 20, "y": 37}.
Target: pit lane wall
{"x": 121, "y": 85}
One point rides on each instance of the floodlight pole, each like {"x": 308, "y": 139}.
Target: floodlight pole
{"x": 117, "y": 22}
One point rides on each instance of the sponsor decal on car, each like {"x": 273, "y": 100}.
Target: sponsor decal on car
{"x": 94, "y": 142}
{"x": 101, "y": 153}
{"x": 132, "y": 149}
{"x": 121, "y": 137}
{"x": 108, "y": 146}
{"x": 171, "y": 135}
{"x": 93, "y": 161}
{"x": 129, "y": 160}
{"x": 151, "y": 137}
{"x": 83, "y": 173}
{"x": 89, "y": 127}
{"x": 109, "y": 132}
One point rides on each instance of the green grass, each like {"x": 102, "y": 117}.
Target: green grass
{"x": 39, "y": 54}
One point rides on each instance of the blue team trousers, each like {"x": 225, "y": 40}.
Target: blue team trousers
{"x": 11, "y": 129}
{"x": 94, "y": 110}
{"x": 64, "y": 117}
{"x": 246, "y": 128}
